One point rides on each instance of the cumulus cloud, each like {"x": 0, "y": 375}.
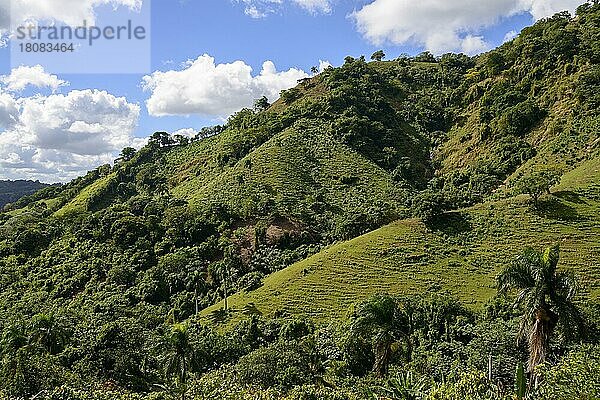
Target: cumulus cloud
{"x": 474, "y": 45}
{"x": 186, "y": 132}
{"x": 323, "y": 65}
{"x": 510, "y": 35}
{"x": 85, "y": 122}
{"x": 24, "y": 76}
{"x": 545, "y": 8}
{"x": 217, "y": 90}
{"x": 9, "y": 111}
{"x": 441, "y": 25}
{"x": 60, "y": 136}
{"x": 71, "y": 12}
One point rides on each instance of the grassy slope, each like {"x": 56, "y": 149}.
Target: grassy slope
{"x": 406, "y": 257}
{"x": 289, "y": 168}
{"x": 82, "y": 200}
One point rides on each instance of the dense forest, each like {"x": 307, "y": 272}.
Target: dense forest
{"x": 173, "y": 273}
{"x": 11, "y": 191}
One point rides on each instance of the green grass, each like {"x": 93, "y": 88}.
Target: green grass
{"x": 584, "y": 176}
{"x": 292, "y": 168}
{"x": 82, "y": 201}
{"x": 461, "y": 257}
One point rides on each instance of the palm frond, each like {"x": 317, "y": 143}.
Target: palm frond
{"x": 516, "y": 276}
{"x": 550, "y": 258}
{"x": 566, "y": 285}
{"x": 572, "y": 322}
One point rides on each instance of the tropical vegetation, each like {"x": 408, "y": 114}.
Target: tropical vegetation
{"x": 385, "y": 230}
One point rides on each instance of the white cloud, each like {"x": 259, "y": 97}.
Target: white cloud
{"x": 474, "y": 45}
{"x": 254, "y": 12}
{"x": 510, "y": 35}
{"x": 545, "y": 8}
{"x": 9, "y": 111}
{"x": 323, "y": 65}
{"x": 23, "y": 76}
{"x": 315, "y": 6}
{"x": 218, "y": 90}
{"x": 441, "y": 25}
{"x": 60, "y": 136}
{"x": 262, "y": 8}
{"x": 71, "y": 12}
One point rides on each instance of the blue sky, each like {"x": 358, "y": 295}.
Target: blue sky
{"x": 294, "y": 34}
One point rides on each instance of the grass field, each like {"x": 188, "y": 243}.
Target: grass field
{"x": 460, "y": 256}
{"x": 291, "y": 169}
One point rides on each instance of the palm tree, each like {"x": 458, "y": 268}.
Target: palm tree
{"x": 47, "y": 332}
{"x": 181, "y": 356}
{"x": 380, "y": 318}
{"x": 546, "y": 296}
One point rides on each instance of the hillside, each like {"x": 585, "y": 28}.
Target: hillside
{"x": 460, "y": 256}
{"x": 401, "y": 176}
{"x": 11, "y": 191}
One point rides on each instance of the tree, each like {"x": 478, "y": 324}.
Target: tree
{"x": 426, "y": 57}
{"x": 181, "y": 357}
{"x": 378, "y": 55}
{"x": 314, "y": 70}
{"x": 15, "y": 353}
{"x": 546, "y": 296}
{"x": 494, "y": 63}
{"x": 13, "y": 339}
{"x": 536, "y": 184}
{"x": 127, "y": 154}
{"x": 161, "y": 139}
{"x": 181, "y": 140}
{"x": 428, "y": 205}
{"x": 380, "y": 318}
{"x": 209, "y": 131}
{"x": 261, "y": 104}
{"x": 290, "y": 95}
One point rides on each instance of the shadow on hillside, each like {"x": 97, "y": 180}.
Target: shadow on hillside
{"x": 554, "y": 208}
{"x": 569, "y": 196}
{"x": 451, "y": 223}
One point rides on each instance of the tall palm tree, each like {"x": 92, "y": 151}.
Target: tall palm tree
{"x": 380, "y": 318}
{"x": 546, "y": 296}
{"x": 181, "y": 355}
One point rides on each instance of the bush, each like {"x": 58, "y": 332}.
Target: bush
{"x": 428, "y": 205}
{"x": 471, "y": 385}
{"x": 577, "y": 376}
{"x": 283, "y": 364}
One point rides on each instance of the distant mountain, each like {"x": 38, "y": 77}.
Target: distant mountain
{"x": 11, "y": 191}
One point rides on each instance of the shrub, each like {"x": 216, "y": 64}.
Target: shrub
{"x": 577, "y": 376}
{"x": 283, "y": 364}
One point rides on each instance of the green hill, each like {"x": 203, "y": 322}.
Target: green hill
{"x": 461, "y": 255}
{"x": 399, "y": 176}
